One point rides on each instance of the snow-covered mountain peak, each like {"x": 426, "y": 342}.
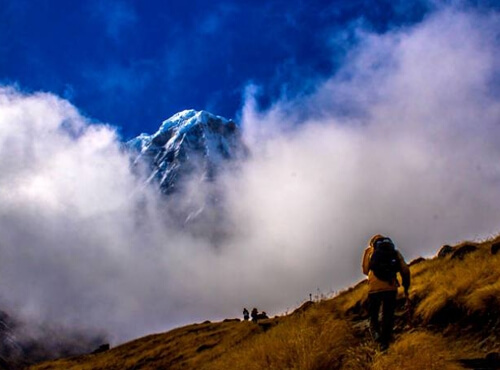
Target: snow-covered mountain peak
{"x": 189, "y": 139}
{"x": 186, "y": 117}
{"x": 187, "y": 120}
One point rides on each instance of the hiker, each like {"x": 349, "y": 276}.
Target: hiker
{"x": 254, "y": 314}
{"x": 381, "y": 262}
{"x": 262, "y": 316}
{"x": 246, "y": 314}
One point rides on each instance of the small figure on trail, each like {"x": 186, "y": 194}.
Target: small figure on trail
{"x": 246, "y": 314}
{"x": 254, "y": 314}
{"x": 381, "y": 262}
{"x": 262, "y": 316}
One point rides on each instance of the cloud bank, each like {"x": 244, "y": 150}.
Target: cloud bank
{"x": 403, "y": 140}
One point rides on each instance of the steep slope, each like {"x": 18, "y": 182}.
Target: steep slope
{"x": 452, "y": 323}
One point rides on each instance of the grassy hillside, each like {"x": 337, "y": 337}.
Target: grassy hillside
{"x": 454, "y": 315}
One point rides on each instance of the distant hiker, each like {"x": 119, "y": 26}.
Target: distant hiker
{"x": 262, "y": 316}
{"x": 381, "y": 262}
{"x": 246, "y": 314}
{"x": 254, "y": 314}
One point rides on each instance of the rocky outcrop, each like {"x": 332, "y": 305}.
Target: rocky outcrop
{"x": 445, "y": 250}
{"x": 102, "y": 348}
{"x": 461, "y": 251}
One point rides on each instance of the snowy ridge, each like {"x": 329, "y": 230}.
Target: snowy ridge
{"x": 188, "y": 141}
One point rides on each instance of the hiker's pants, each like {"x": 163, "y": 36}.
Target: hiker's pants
{"x": 388, "y": 302}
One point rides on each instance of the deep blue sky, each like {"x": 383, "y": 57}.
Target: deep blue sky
{"x": 135, "y": 63}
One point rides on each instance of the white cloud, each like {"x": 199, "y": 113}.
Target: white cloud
{"x": 415, "y": 156}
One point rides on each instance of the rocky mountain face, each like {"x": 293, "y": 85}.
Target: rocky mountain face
{"x": 190, "y": 143}
{"x": 22, "y": 345}
{"x": 183, "y": 159}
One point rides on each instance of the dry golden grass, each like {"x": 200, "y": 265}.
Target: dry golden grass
{"x": 303, "y": 342}
{"x": 348, "y": 299}
{"x": 360, "y": 356}
{"x": 471, "y": 284}
{"x": 416, "y": 351}
{"x": 187, "y": 347}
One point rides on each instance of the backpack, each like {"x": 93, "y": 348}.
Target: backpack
{"x": 384, "y": 261}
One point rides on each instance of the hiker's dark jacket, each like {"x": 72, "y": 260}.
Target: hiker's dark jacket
{"x": 377, "y": 285}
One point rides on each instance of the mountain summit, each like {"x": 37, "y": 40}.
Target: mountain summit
{"x": 188, "y": 143}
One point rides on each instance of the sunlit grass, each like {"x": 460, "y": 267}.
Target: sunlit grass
{"x": 471, "y": 284}
{"x": 305, "y": 342}
{"x": 417, "y": 351}
{"x": 348, "y": 299}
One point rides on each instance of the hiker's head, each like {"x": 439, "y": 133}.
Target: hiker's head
{"x": 375, "y": 238}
